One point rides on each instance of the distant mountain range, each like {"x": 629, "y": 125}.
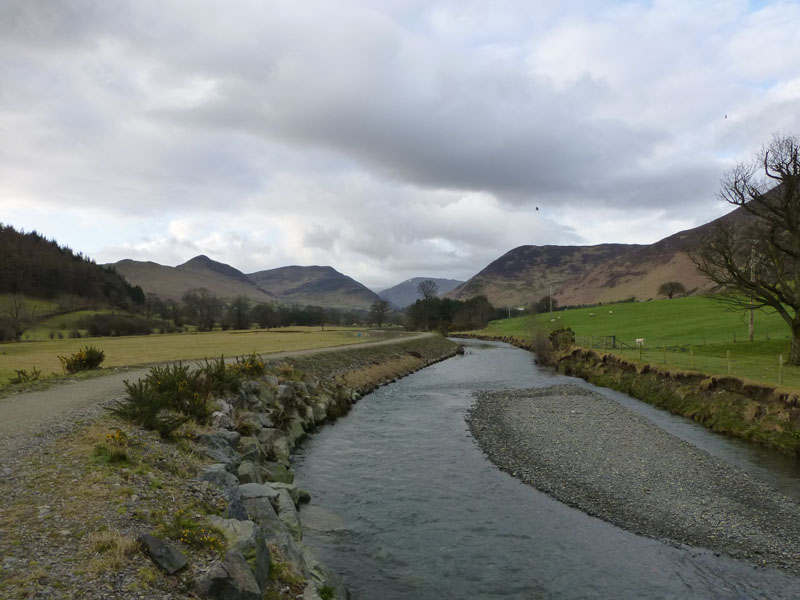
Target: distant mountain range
{"x": 320, "y": 286}
{"x": 575, "y": 274}
{"x": 406, "y": 293}
{"x": 592, "y": 274}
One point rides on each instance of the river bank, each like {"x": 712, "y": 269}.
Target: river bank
{"x": 598, "y": 456}
{"x": 78, "y": 509}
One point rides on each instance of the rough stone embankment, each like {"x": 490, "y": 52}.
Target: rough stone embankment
{"x": 598, "y": 456}
{"x": 108, "y": 510}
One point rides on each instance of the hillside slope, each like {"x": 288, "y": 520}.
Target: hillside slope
{"x": 35, "y": 266}
{"x": 591, "y": 274}
{"x": 171, "y": 283}
{"x": 317, "y": 285}
{"x": 406, "y": 293}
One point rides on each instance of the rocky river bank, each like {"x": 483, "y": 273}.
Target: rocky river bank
{"x": 598, "y": 456}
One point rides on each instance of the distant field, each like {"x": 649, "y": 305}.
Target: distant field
{"x": 683, "y": 333}
{"x": 139, "y": 350}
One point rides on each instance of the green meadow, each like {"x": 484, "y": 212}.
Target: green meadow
{"x": 694, "y": 333}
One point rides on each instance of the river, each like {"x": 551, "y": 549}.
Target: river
{"x": 406, "y": 506}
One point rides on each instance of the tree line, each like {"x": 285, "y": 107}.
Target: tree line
{"x": 32, "y": 265}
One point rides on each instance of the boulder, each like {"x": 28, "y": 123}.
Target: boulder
{"x": 322, "y": 576}
{"x": 248, "y": 423}
{"x": 221, "y": 420}
{"x": 247, "y": 538}
{"x": 287, "y": 512}
{"x": 219, "y": 476}
{"x": 250, "y": 449}
{"x": 273, "y": 471}
{"x": 230, "y": 579}
{"x": 295, "y": 430}
{"x": 320, "y": 409}
{"x": 249, "y": 472}
{"x": 164, "y": 554}
{"x": 218, "y": 447}
{"x": 275, "y": 443}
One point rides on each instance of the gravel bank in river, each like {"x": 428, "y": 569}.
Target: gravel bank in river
{"x": 600, "y": 457}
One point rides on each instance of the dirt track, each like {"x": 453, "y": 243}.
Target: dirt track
{"x": 26, "y": 418}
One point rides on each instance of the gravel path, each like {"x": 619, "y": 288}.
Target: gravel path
{"x": 600, "y": 457}
{"x": 29, "y": 420}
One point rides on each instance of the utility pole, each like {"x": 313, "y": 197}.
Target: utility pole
{"x": 551, "y": 301}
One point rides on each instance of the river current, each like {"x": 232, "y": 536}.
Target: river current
{"x": 406, "y": 506}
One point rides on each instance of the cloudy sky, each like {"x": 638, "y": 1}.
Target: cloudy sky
{"x": 387, "y": 139}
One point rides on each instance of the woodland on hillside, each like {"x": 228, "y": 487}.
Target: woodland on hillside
{"x": 34, "y": 266}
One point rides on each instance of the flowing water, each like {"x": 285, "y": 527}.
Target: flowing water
{"x": 405, "y": 505}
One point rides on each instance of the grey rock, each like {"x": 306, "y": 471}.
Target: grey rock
{"x": 251, "y": 387}
{"x": 230, "y": 579}
{"x": 249, "y": 472}
{"x": 219, "y": 476}
{"x": 273, "y": 471}
{"x": 250, "y": 449}
{"x": 295, "y": 431}
{"x": 247, "y": 538}
{"x": 284, "y": 393}
{"x": 248, "y": 422}
{"x": 287, "y": 512}
{"x": 320, "y": 410}
{"x": 164, "y": 554}
{"x": 322, "y": 576}
{"x": 275, "y": 443}
{"x": 221, "y": 420}
{"x": 271, "y": 380}
{"x": 223, "y": 407}
{"x": 259, "y": 490}
{"x": 219, "y": 438}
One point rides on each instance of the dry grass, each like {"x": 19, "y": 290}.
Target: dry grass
{"x": 141, "y": 350}
{"x": 113, "y": 549}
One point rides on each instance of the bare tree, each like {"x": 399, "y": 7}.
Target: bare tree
{"x": 756, "y": 261}
{"x": 378, "y": 311}
{"x": 428, "y": 289}
{"x": 670, "y": 288}
{"x": 20, "y": 315}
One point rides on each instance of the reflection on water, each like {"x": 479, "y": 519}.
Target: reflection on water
{"x": 406, "y": 506}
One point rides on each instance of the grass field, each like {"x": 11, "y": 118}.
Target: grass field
{"x": 140, "y": 350}
{"x": 692, "y": 333}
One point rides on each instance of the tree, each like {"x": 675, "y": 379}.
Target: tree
{"x": 19, "y": 316}
{"x": 670, "y": 288}
{"x": 202, "y": 307}
{"x": 238, "y": 313}
{"x": 428, "y": 289}
{"x": 378, "y": 311}
{"x": 756, "y": 259}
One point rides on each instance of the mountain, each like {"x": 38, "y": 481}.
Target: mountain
{"x": 406, "y": 293}
{"x": 171, "y": 283}
{"x": 592, "y": 274}
{"x": 35, "y": 266}
{"x": 523, "y": 275}
{"x": 323, "y": 286}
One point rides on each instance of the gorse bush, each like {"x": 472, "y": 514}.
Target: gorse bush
{"x": 183, "y": 390}
{"x": 167, "y": 397}
{"x": 251, "y": 365}
{"x": 149, "y": 408}
{"x": 83, "y": 360}
{"x": 219, "y": 378}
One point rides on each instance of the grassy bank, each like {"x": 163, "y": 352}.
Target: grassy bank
{"x": 763, "y": 414}
{"x": 695, "y": 334}
{"x": 140, "y": 350}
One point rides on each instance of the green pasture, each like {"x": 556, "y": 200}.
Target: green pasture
{"x": 694, "y": 333}
{"x": 147, "y": 349}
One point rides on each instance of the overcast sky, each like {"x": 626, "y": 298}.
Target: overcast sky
{"x": 387, "y": 139}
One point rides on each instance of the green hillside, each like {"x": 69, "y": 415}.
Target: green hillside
{"x": 694, "y": 333}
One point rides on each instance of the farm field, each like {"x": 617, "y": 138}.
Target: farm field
{"x": 692, "y": 333}
{"x": 141, "y": 350}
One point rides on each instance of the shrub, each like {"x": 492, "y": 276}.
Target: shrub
{"x": 251, "y": 365}
{"x": 562, "y": 339}
{"x": 116, "y": 325}
{"x": 149, "y": 408}
{"x": 83, "y": 360}
{"x": 219, "y": 379}
{"x": 182, "y": 390}
{"x": 24, "y": 377}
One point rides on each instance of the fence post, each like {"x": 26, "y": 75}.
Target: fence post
{"x": 665, "y": 353}
{"x": 691, "y": 355}
{"x": 728, "y": 356}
